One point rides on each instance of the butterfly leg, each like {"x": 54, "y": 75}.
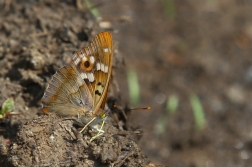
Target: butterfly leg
{"x": 100, "y": 131}
{"x": 87, "y": 124}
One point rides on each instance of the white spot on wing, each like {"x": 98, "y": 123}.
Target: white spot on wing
{"x": 106, "y": 49}
{"x": 98, "y": 66}
{"x": 92, "y": 59}
{"x": 102, "y": 67}
{"x": 90, "y": 77}
{"x": 83, "y": 75}
{"x": 106, "y": 69}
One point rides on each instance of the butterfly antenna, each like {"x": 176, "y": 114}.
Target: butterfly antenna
{"x": 123, "y": 111}
{"x": 141, "y": 108}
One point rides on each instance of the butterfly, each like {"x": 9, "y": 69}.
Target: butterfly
{"x": 80, "y": 89}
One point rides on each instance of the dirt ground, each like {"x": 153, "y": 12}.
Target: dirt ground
{"x": 176, "y": 47}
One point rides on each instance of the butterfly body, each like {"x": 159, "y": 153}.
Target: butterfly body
{"x": 80, "y": 89}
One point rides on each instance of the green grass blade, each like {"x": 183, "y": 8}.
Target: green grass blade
{"x": 134, "y": 90}
{"x": 160, "y": 126}
{"x": 169, "y": 8}
{"x": 198, "y": 112}
{"x": 95, "y": 12}
{"x": 172, "y": 104}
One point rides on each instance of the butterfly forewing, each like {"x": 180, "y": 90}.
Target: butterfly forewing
{"x": 103, "y": 44}
{"x": 94, "y": 63}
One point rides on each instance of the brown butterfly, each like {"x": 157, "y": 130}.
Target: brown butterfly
{"x": 80, "y": 89}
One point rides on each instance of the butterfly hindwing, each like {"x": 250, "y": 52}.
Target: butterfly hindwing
{"x": 67, "y": 94}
